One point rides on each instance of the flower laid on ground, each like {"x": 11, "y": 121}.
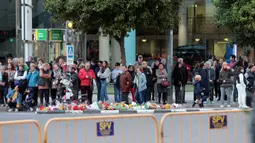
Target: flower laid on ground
{"x": 108, "y": 106}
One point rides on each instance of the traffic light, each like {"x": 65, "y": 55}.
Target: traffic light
{"x": 69, "y": 32}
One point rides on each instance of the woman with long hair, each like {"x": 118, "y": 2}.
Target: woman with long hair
{"x": 105, "y": 75}
{"x": 131, "y": 70}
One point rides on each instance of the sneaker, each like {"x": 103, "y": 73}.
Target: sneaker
{"x": 10, "y": 110}
{"x": 16, "y": 110}
{"x": 221, "y": 106}
{"x": 229, "y": 106}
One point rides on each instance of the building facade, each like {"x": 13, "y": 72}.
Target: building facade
{"x": 196, "y": 36}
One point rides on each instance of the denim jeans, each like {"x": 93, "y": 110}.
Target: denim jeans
{"x": 228, "y": 92}
{"x": 45, "y": 93}
{"x": 103, "y": 92}
{"x": 98, "y": 82}
{"x": 117, "y": 93}
{"x": 142, "y": 96}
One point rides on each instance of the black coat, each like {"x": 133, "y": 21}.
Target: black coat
{"x": 178, "y": 76}
{"x": 185, "y": 74}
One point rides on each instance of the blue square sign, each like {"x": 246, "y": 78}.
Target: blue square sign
{"x": 105, "y": 129}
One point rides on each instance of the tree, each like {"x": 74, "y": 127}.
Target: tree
{"x": 239, "y": 17}
{"x": 117, "y": 17}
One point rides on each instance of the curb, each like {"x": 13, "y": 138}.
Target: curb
{"x": 105, "y": 112}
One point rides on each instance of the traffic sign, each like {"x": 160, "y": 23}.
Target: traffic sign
{"x": 69, "y": 54}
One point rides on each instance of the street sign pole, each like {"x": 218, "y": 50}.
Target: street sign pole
{"x": 26, "y": 18}
{"x": 170, "y": 65}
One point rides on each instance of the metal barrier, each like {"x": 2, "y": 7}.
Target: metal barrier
{"x": 103, "y": 129}
{"x": 202, "y": 127}
{"x": 17, "y": 135}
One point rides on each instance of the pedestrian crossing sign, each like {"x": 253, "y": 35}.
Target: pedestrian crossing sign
{"x": 69, "y": 54}
{"x": 70, "y": 50}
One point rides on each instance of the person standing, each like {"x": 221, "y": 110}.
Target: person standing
{"x": 125, "y": 83}
{"x": 185, "y": 75}
{"x": 74, "y": 81}
{"x": 33, "y": 78}
{"x": 198, "y": 92}
{"x": 139, "y": 61}
{"x": 233, "y": 65}
{"x": 62, "y": 64}
{"x": 211, "y": 77}
{"x": 250, "y": 79}
{"x": 3, "y": 85}
{"x": 178, "y": 83}
{"x": 131, "y": 70}
{"x": 154, "y": 67}
{"x": 20, "y": 79}
{"x": 141, "y": 83}
{"x": 115, "y": 77}
{"x": 226, "y": 83}
{"x": 55, "y": 78}
{"x": 241, "y": 86}
{"x": 105, "y": 75}
{"x": 162, "y": 91}
{"x": 96, "y": 67}
{"x": 86, "y": 76}
{"x": 11, "y": 72}
{"x": 44, "y": 83}
{"x": 148, "y": 73}
{"x": 217, "y": 67}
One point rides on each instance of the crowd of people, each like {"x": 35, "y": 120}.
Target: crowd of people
{"x": 25, "y": 82}
{"x": 22, "y": 81}
{"x": 224, "y": 81}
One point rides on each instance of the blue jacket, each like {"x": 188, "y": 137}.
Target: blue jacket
{"x": 141, "y": 82}
{"x": 197, "y": 88}
{"x": 33, "y": 79}
{"x": 19, "y": 97}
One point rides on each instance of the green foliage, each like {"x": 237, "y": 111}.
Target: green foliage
{"x": 116, "y": 17}
{"x": 239, "y": 17}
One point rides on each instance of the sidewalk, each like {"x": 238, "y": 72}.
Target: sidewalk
{"x": 188, "y": 99}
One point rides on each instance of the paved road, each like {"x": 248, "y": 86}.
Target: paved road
{"x": 192, "y": 130}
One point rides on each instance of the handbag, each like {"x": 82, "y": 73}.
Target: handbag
{"x": 165, "y": 82}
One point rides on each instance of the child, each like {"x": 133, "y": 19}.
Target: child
{"x": 14, "y": 99}
{"x": 198, "y": 92}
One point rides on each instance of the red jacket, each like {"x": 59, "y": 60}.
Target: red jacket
{"x": 86, "y": 76}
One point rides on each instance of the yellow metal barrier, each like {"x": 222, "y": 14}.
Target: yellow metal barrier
{"x": 202, "y": 127}
{"x": 107, "y": 130}
{"x": 20, "y": 136}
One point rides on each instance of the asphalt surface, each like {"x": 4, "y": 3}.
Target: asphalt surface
{"x": 179, "y": 129}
